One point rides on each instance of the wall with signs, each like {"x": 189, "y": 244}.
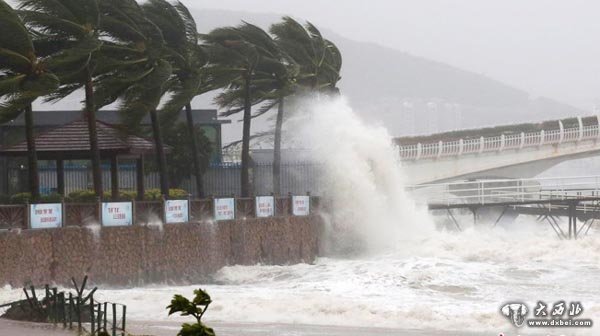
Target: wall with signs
{"x": 176, "y": 211}
{"x": 45, "y": 216}
{"x": 224, "y": 209}
{"x": 117, "y": 213}
{"x": 135, "y": 255}
{"x": 265, "y": 206}
{"x": 300, "y": 205}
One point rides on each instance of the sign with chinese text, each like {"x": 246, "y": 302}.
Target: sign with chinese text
{"x": 300, "y": 205}
{"x": 224, "y": 208}
{"x": 117, "y": 213}
{"x": 45, "y": 216}
{"x": 265, "y": 206}
{"x": 176, "y": 211}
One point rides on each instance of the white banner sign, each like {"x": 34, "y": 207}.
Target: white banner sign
{"x": 45, "y": 216}
{"x": 224, "y": 208}
{"x": 300, "y": 205}
{"x": 176, "y": 211}
{"x": 265, "y": 206}
{"x": 117, "y": 213}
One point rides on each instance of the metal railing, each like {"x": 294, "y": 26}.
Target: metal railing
{"x": 498, "y": 191}
{"x": 296, "y": 177}
{"x": 499, "y": 143}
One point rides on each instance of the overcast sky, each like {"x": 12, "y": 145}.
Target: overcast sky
{"x": 547, "y": 47}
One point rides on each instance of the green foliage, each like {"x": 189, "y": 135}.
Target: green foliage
{"x": 155, "y": 195}
{"x": 196, "y": 308}
{"x": 25, "y": 197}
{"x": 21, "y": 198}
{"x": 81, "y": 196}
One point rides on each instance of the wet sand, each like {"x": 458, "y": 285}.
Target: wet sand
{"x": 17, "y": 328}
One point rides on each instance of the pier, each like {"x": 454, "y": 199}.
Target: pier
{"x": 577, "y": 198}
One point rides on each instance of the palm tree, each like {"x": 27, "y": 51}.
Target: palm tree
{"x": 311, "y": 61}
{"x": 140, "y": 74}
{"x": 242, "y": 56}
{"x": 69, "y": 30}
{"x": 23, "y": 78}
{"x": 189, "y": 61}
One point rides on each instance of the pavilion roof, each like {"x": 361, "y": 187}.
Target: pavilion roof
{"x": 72, "y": 141}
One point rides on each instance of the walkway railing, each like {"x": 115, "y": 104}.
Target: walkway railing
{"x": 501, "y": 191}
{"x": 500, "y": 143}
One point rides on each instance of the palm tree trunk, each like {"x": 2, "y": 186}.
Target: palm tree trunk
{"x": 277, "y": 149}
{"x": 161, "y": 157}
{"x": 246, "y": 139}
{"x": 90, "y": 115}
{"x": 32, "y": 161}
{"x": 197, "y": 169}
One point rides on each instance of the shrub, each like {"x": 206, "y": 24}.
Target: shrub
{"x": 20, "y": 198}
{"x": 25, "y": 197}
{"x": 52, "y": 198}
{"x": 82, "y": 196}
{"x": 196, "y": 308}
{"x": 154, "y": 194}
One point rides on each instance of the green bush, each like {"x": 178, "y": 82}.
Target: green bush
{"x": 25, "y": 197}
{"x": 154, "y": 194}
{"x": 20, "y": 198}
{"x": 150, "y": 195}
{"x": 52, "y": 198}
{"x": 81, "y": 196}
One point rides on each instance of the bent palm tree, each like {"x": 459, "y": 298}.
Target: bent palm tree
{"x": 23, "y": 78}
{"x": 190, "y": 68}
{"x": 312, "y": 62}
{"x": 238, "y": 54}
{"x": 141, "y": 71}
{"x": 69, "y": 31}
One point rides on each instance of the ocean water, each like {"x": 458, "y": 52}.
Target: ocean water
{"x": 384, "y": 263}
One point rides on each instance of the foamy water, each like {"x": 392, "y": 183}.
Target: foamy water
{"x": 385, "y": 264}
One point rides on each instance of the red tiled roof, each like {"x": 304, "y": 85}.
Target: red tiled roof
{"x": 74, "y": 137}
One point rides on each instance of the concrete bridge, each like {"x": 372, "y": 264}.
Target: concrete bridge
{"x": 512, "y": 151}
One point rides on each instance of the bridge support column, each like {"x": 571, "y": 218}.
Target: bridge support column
{"x": 474, "y": 211}
{"x": 573, "y": 220}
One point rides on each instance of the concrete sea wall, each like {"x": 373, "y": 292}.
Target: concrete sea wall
{"x": 136, "y": 255}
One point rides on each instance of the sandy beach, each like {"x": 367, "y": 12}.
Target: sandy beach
{"x": 17, "y": 328}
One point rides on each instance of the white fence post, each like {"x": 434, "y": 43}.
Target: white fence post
{"x": 522, "y": 140}
{"x": 440, "y": 147}
{"x": 542, "y": 137}
{"x": 419, "y": 151}
{"x": 461, "y": 146}
{"x": 580, "y": 122}
{"x": 562, "y": 132}
{"x": 481, "y": 144}
{"x": 502, "y": 141}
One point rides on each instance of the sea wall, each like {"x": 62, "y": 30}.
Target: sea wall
{"x": 136, "y": 255}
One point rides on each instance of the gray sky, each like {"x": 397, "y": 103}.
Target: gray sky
{"x": 546, "y": 47}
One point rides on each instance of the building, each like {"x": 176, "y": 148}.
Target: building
{"x": 13, "y": 171}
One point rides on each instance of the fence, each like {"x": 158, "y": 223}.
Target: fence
{"x": 54, "y": 215}
{"x": 500, "y": 143}
{"x": 223, "y": 179}
{"x": 70, "y": 310}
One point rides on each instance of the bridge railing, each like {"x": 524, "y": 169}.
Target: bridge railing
{"x": 484, "y": 192}
{"x": 499, "y": 143}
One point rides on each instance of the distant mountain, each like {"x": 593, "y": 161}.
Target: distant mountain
{"x": 411, "y": 94}
{"x": 406, "y": 93}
